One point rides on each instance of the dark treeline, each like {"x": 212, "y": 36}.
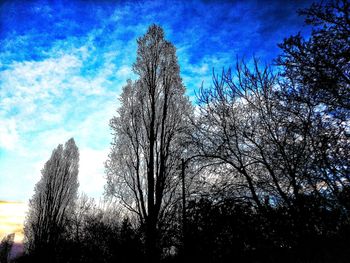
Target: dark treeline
{"x": 256, "y": 171}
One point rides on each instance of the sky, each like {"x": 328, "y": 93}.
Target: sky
{"x": 63, "y": 64}
{"x": 11, "y": 218}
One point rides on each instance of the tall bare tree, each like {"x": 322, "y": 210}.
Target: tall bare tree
{"x": 143, "y": 168}
{"x": 53, "y": 200}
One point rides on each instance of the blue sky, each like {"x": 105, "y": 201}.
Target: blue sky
{"x": 63, "y": 64}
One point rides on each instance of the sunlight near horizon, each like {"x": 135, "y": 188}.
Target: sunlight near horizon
{"x": 12, "y": 215}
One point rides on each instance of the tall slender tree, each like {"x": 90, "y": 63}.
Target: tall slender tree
{"x": 144, "y": 166}
{"x": 53, "y": 201}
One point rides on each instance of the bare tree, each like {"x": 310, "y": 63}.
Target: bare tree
{"x": 255, "y": 136}
{"x": 316, "y": 76}
{"x": 319, "y": 66}
{"x": 268, "y": 147}
{"x": 53, "y": 200}
{"x": 84, "y": 205}
{"x": 143, "y": 168}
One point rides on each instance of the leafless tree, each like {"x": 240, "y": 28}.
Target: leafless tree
{"x": 83, "y": 207}
{"x": 53, "y": 201}
{"x": 316, "y": 76}
{"x": 267, "y": 146}
{"x": 143, "y": 168}
{"x": 253, "y": 137}
{"x": 319, "y": 65}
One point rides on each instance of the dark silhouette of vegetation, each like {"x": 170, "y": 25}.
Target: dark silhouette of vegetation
{"x": 5, "y": 248}
{"x": 259, "y": 173}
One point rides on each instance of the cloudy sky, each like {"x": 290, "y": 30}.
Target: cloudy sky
{"x": 63, "y": 63}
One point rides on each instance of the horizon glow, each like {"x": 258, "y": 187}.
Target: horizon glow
{"x": 12, "y": 216}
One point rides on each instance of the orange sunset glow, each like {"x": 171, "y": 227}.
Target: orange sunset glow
{"x": 12, "y": 216}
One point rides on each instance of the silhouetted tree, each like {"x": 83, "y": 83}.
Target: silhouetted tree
{"x": 240, "y": 131}
{"x": 104, "y": 236}
{"x": 53, "y": 202}
{"x": 143, "y": 168}
{"x": 5, "y": 248}
{"x": 264, "y": 147}
{"x": 83, "y": 208}
{"x": 282, "y": 141}
{"x": 316, "y": 77}
{"x": 318, "y": 67}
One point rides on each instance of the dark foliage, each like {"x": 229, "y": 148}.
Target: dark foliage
{"x": 5, "y": 248}
{"x": 226, "y": 230}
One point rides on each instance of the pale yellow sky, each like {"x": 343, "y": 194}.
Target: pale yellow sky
{"x": 12, "y": 215}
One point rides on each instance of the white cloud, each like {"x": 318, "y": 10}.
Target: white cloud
{"x": 44, "y": 103}
{"x": 124, "y": 72}
{"x": 30, "y": 89}
{"x": 91, "y": 171}
{"x": 8, "y": 134}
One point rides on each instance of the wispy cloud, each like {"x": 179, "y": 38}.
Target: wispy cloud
{"x": 45, "y": 102}
{"x": 62, "y": 66}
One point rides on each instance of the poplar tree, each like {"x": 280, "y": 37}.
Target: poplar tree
{"x": 53, "y": 201}
{"x": 143, "y": 168}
